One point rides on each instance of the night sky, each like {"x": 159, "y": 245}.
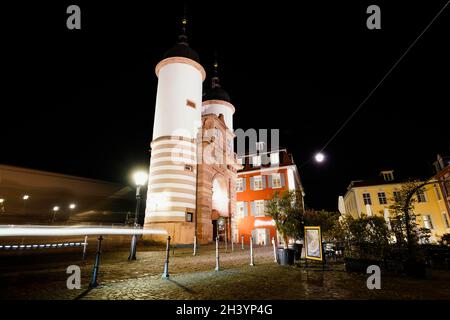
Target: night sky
{"x": 81, "y": 102}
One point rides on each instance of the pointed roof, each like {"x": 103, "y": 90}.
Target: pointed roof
{"x": 216, "y": 92}
{"x": 181, "y": 48}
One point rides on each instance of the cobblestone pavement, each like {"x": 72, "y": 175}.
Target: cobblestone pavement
{"x": 194, "y": 278}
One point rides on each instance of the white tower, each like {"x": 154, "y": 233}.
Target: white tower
{"x": 171, "y": 196}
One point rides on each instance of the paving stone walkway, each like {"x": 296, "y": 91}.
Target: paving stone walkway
{"x": 194, "y": 278}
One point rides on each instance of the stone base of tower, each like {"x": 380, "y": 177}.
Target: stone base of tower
{"x": 179, "y": 232}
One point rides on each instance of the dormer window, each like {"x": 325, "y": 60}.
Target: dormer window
{"x": 388, "y": 175}
{"x": 256, "y": 161}
{"x": 274, "y": 158}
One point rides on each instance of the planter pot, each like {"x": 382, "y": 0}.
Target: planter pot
{"x": 285, "y": 257}
{"x": 297, "y": 247}
{"x": 359, "y": 265}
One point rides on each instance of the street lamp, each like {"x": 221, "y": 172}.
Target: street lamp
{"x": 55, "y": 209}
{"x": 2, "y": 207}
{"x": 25, "y": 198}
{"x": 72, "y": 206}
{"x": 140, "y": 178}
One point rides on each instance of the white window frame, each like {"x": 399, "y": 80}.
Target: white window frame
{"x": 240, "y": 208}
{"x": 260, "y": 208}
{"x": 276, "y": 177}
{"x": 275, "y": 158}
{"x": 256, "y": 161}
{"x": 239, "y": 184}
{"x": 429, "y": 220}
{"x": 388, "y": 176}
{"x": 257, "y": 183}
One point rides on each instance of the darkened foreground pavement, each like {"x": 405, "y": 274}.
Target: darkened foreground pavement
{"x": 194, "y": 278}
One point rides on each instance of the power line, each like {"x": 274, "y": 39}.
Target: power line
{"x": 380, "y": 82}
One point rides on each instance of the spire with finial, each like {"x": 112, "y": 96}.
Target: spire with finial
{"x": 215, "y": 83}
{"x": 182, "y": 38}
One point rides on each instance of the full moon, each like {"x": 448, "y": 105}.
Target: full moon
{"x": 319, "y": 157}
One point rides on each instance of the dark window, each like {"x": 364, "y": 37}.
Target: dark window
{"x": 366, "y": 198}
{"x": 382, "y": 198}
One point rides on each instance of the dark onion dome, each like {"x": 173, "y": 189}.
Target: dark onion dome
{"x": 216, "y": 93}
{"x": 182, "y": 49}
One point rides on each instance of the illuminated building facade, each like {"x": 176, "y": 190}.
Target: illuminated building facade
{"x": 442, "y": 169}
{"x": 374, "y": 196}
{"x": 193, "y": 167}
{"x": 263, "y": 174}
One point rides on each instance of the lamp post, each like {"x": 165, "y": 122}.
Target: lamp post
{"x": 25, "y": 198}
{"x": 55, "y": 209}
{"x": 140, "y": 178}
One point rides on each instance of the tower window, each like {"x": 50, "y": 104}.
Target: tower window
{"x": 189, "y": 216}
{"x": 188, "y": 168}
{"x": 191, "y": 103}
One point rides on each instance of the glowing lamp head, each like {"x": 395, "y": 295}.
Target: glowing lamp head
{"x": 319, "y": 157}
{"x": 26, "y": 197}
{"x": 72, "y": 206}
{"x": 55, "y": 208}
{"x": 140, "y": 178}
{"x": 2, "y": 200}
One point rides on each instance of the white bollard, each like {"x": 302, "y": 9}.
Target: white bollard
{"x": 242, "y": 242}
{"x": 217, "y": 254}
{"x": 251, "y": 252}
{"x": 195, "y": 246}
{"x": 84, "y": 247}
{"x": 274, "y": 250}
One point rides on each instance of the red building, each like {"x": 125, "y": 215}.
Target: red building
{"x": 263, "y": 174}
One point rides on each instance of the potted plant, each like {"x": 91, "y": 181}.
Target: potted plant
{"x": 286, "y": 209}
{"x": 366, "y": 242}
